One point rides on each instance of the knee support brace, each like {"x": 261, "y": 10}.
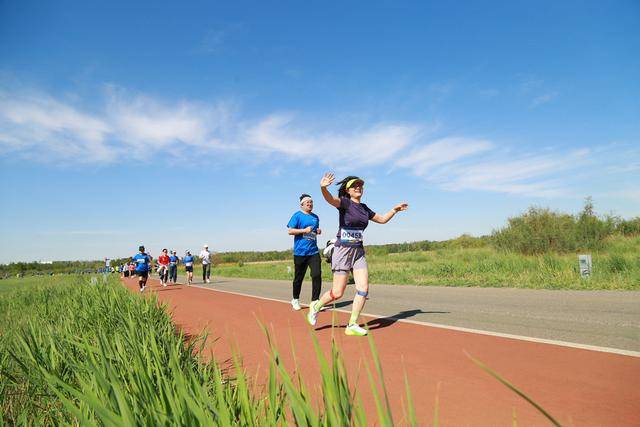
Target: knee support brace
{"x": 362, "y": 293}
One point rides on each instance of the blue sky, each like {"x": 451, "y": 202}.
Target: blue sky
{"x": 178, "y": 125}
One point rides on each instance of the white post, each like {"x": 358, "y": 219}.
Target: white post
{"x": 584, "y": 262}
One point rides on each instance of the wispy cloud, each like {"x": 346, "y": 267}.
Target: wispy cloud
{"x": 372, "y": 145}
{"x": 457, "y": 164}
{"x": 537, "y": 91}
{"x": 142, "y": 122}
{"x": 136, "y": 124}
{"x": 543, "y": 99}
{"x": 40, "y": 127}
{"x": 424, "y": 159}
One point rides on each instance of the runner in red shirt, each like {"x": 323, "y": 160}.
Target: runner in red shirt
{"x": 163, "y": 268}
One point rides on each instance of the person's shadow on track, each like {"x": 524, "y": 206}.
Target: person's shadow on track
{"x": 383, "y": 322}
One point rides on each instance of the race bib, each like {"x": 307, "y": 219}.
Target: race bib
{"x": 188, "y": 264}
{"x": 348, "y": 235}
{"x": 310, "y": 236}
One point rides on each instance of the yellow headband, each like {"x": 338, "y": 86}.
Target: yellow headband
{"x": 353, "y": 181}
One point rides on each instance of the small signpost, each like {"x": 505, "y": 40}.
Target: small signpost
{"x": 584, "y": 262}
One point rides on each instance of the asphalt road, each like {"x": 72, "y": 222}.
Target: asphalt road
{"x": 597, "y": 318}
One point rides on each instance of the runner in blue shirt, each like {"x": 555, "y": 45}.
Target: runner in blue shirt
{"x": 142, "y": 262}
{"x": 173, "y": 267}
{"x": 304, "y": 226}
{"x": 188, "y": 266}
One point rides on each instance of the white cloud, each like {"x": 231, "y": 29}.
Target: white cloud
{"x": 457, "y": 164}
{"x": 373, "y": 145}
{"x": 37, "y": 124}
{"x": 543, "y": 99}
{"x": 144, "y": 122}
{"x": 442, "y": 151}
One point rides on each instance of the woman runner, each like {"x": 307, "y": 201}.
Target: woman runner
{"x": 163, "y": 267}
{"x": 348, "y": 253}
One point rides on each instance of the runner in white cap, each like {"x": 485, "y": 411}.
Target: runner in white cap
{"x": 205, "y": 256}
{"x": 304, "y": 226}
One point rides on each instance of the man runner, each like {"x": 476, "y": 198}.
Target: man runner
{"x": 142, "y": 262}
{"x": 188, "y": 266}
{"x": 173, "y": 267}
{"x": 205, "y": 256}
{"x": 304, "y": 226}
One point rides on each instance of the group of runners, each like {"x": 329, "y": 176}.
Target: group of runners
{"x": 141, "y": 265}
{"x": 346, "y": 253}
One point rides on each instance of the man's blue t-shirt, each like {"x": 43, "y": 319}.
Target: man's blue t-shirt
{"x": 142, "y": 262}
{"x": 173, "y": 259}
{"x": 188, "y": 261}
{"x": 305, "y": 244}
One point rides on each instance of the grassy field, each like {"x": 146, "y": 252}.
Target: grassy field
{"x": 617, "y": 266}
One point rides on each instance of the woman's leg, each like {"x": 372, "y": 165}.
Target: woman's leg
{"x": 361, "y": 277}
{"x": 337, "y": 289}
{"x": 336, "y": 292}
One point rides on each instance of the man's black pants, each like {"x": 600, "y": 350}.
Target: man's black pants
{"x": 301, "y": 263}
{"x": 206, "y": 272}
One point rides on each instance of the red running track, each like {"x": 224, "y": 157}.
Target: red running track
{"x": 578, "y": 387}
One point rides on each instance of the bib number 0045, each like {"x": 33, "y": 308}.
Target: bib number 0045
{"x": 348, "y": 235}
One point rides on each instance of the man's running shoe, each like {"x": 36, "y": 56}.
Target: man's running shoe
{"x": 312, "y": 316}
{"x": 142, "y": 289}
{"x": 355, "y": 330}
{"x": 295, "y": 304}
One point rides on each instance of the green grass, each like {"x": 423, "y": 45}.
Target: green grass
{"x": 617, "y": 267}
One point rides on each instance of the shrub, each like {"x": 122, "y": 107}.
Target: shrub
{"x": 537, "y": 231}
{"x": 630, "y": 227}
{"x": 617, "y": 263}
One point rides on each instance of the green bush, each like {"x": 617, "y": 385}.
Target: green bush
{"x": 617, "y": 263}
{"x": 629, "y": 227}
{"x": 537, "y": 231}
{"x": 541, "y": 230}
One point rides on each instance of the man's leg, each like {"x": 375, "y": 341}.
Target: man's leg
{"x": 299, "y": 270}
{"x": 316, "y": 276}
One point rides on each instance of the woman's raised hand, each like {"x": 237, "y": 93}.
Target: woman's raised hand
{"x": 327, "y": 180}
{"x": 401, "y": 207}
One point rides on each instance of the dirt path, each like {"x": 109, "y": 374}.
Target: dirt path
{"x": 579, "y": 387}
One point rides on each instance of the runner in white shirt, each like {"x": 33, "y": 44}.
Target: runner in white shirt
{"x": 205, "y": 256}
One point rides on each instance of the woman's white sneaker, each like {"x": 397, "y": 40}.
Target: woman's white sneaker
{"x": 312, "y": 316}
{"x": 355, "y": 330}
{"x": 295, "y": 304}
